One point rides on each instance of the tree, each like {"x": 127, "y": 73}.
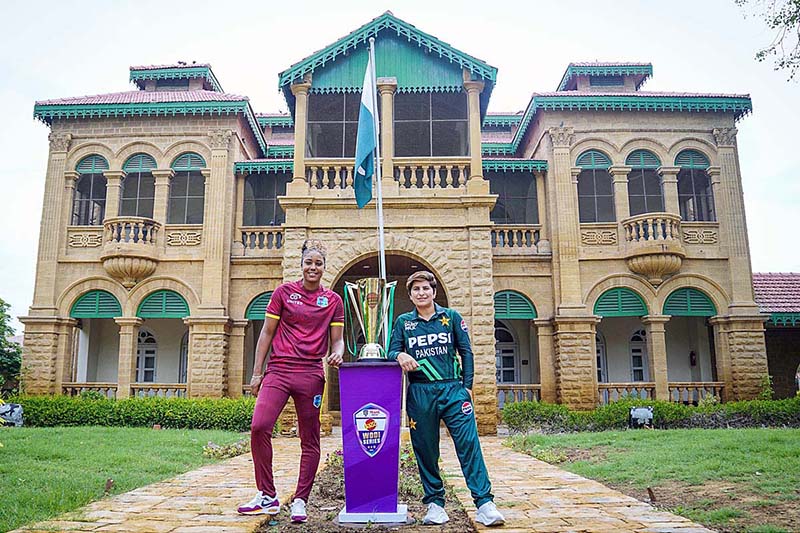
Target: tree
{"x": 10, "y": 351}
{"x": 782, "y": 16}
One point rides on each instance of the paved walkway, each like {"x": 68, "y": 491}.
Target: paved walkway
{"x": 533, "y": 495}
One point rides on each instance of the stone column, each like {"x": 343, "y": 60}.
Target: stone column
{"x": 622, "y": 207}
{"x": 40, "y": 349}
{"x": 547, "y": 367}
{"x": 564, "y": 225}
{"x": 387, "y": 87}
{"x": 50, "y": 228}
{"x": 541, "y": 206}
{"x": 741, "y": 355}
{"x": 299, "y": 185}
{"x": 71, "y": 178}
{"x": 208, "y": 353}
{"x": 657, "y": 353}
{"x": 669, "y": 187}
{"x": 163, "y": 178}
{"x": 64, "y": 361}
{"x": 128, "y": 341}
{"x": 236, "y": 358}
{"x": 113, "y": 191}
{"x": 576, "y": 362}
{"x": 238, "y": 245}
{"x": 216, "y": 231}
{"x": 476, "y": 184}
{"x": 722, "y": 354}
{"x": 733, "y": 222}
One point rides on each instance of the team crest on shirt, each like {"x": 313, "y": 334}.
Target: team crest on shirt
{"x": 317, "y": 400}
{"x": 322, "y": 301}
{"x": 410, "y": 326}
{"x": 463, "y": 325}
{"x": 466, "y": 408}
{"x": 371, "y": 425}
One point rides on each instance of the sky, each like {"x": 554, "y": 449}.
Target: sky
{"x": 54, "y": 49}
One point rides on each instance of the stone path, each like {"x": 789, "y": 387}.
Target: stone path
{"x": 537, "y": 497}
{"x": 533, "y": 495}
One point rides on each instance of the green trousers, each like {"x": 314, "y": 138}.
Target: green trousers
{"x": 427, "y": 404}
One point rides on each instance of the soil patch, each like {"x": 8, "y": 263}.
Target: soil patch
{"x": 327, "y": 499}
{"x": 707, "y": 504}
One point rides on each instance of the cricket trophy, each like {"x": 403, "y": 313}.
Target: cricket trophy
{"x": 370, "y": 391}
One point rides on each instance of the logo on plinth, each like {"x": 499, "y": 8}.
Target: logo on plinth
{"x": 372, "y": 424}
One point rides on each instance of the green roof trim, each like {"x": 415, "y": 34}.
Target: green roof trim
{"x": 689, "y": 302}
{"x": 791, "y": 320}
{"x": 265, "y": 166}
{"x": 497, "y": 149}
{"x": 280, "y": 151}
{"x": 46, "y": 113}
{"x": 502, "y": 120}
{"x": 282, "y": 121}
{"x": 96, "y": 304}
{"x": 257, "y": 309}
{"x": 175, "y": 73}
{"x": 163, "y": 304}
{"x": 620, "y": 301}
{"x": 621, "y": 69}
{"x": 521, "y": 165}
{"x": 512, "y": 305}
{"x": 738, "y": 105}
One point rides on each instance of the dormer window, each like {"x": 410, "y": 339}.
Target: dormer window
{"x": 606, "y": 81}
{"x": 172, "y": 85}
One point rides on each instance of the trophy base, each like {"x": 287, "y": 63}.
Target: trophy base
{"x": 371, "y": 351}
{"x": 399, "y": 517}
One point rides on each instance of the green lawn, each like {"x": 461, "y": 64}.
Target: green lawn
{"x": 738, "y": 479}
{"x": 48, "y": 471}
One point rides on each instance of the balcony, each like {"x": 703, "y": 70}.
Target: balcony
{"x": 130, "y": 248}
{"x": 517, "y": 239}
{"x": 653, "y": 246}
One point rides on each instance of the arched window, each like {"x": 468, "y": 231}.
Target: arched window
{"x": 431, "y": 124}
{"x": 146, "y": 353}
{"x": 506, "y": 350}
{"x": 89, "y": 203}
{"x": 595, "y": 188}
{"x": 645, "y": 194}
{"x": 187, "y": 190}
{"x": 261, "y": 191}
{"x": 138, "y": 187}
{"x": 638, "y": 348}
{"x": 695, "y": 196}
{"x": 516, "y": 197}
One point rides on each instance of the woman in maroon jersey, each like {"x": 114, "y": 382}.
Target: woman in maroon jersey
{"x": 303, "y": 319}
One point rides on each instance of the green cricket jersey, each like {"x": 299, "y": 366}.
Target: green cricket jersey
{"x": 436, "y": 344}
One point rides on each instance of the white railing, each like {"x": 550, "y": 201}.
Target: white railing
{"x": 109, "y": 390}
{"x": 160, "y": 390}
{"x": 612, "y": 392}
{"x": 691, "y": 392}
{"x": 651, "y": 227}
{"x": 432, "y": 173}
{"x": 521, "y": 236}
{"x": 262, "y": 237}
{"x": 131, "y": 230}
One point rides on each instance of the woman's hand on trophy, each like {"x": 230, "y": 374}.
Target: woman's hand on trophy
{"x": 255, "y": 383}
{"x": 335, "y": 359}
{"x": 407, "y": 363}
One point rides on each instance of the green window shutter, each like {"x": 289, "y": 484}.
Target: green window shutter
{"x": 163, "y": 304}
{"x": 692, "y": 159}
{"x": 139, "y": 163}
{"x": 512, "y": 305}
{"x": 689, "y": 302}
{"x": 258, "y": 307}
{"x": 620, "y": 302}
{"x": 92, "y": 164}
{"x": 593, "y": 159}
{"x": 643, "y": 159}
{"x": 189, "y": 161}
{"x": 96, "y": 304}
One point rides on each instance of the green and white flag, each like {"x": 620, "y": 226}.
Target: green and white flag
{"x": 366, "y": 140}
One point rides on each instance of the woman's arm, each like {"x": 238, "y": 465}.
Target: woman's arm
{"x": 337, "y": 346}
{"x": 262, "y": 348}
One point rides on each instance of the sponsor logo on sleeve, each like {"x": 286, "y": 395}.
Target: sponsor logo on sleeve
{"x": 466, "y": 408}
{"x": 463, "y": 325}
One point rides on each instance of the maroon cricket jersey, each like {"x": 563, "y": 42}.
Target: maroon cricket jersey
{"x": 303, "y": 333}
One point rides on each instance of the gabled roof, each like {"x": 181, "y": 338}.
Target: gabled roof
{"x": 406, "y": 32}
{"x": 642, "y": 70}
{"x": 150, "y": 104}
{"x": 777, "y": 292}
{"x": 177, "y": 71}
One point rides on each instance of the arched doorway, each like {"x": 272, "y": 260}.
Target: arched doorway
{"x": 398, "y": 268}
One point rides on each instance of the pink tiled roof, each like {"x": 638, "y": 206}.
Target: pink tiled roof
{"x": 777, "y": 292}
{"x": 146, "y": 97}
{"x": 273, "y": 115}
{"x": 281, "y": 140}
{"x": 608, "y": 63}
{"x": 174, "y": 65}
{"x": 497, "y": 136}
{"x": 641, "y": 93}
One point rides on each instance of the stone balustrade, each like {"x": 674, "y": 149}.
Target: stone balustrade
{"x": 653, "y": 246}
{"x": 160, "y": 390}
{"x": 330, "y": 173}
{"x": 515, "y": 238}
{"x": 508, "y": 393}
{"x": 109, "y": 390}
{"x": 262, "y": 239}
{"x": 131, "y": 230}
{"x": 431, "y": 173}
{"x": 650, "y": 227}
{"x": 691, "y": 392}
{"x": 612, "y": 392}
{"x": 131, "y": 248}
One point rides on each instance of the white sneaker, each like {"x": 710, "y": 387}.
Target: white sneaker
{"x": 298, "y": 511}
{"x": 261, "y": 504}
{"x": 488, "y": 515}
{"x": 435, "y": 516}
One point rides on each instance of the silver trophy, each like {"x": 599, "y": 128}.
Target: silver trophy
{"x": 372, "y": 300}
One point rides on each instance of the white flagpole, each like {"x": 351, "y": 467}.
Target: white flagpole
{"x": 377, "y": 166}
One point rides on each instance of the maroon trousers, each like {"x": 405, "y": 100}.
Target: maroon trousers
{"x": 305, "y": 388}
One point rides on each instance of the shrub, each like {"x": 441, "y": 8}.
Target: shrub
{"x": 206, "y": 413}
{"x": 523, "y": 417}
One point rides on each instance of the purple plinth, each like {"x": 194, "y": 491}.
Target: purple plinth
{"x": 370, "y": 394}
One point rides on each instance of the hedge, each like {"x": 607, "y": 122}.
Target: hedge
{"x": 522, "y": 417}
{"x": 207, "y": 413}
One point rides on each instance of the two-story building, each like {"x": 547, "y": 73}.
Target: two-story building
{"x": 595, "y": 242}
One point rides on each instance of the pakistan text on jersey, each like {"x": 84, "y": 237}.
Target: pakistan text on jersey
{"x": 430, "y": 352}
